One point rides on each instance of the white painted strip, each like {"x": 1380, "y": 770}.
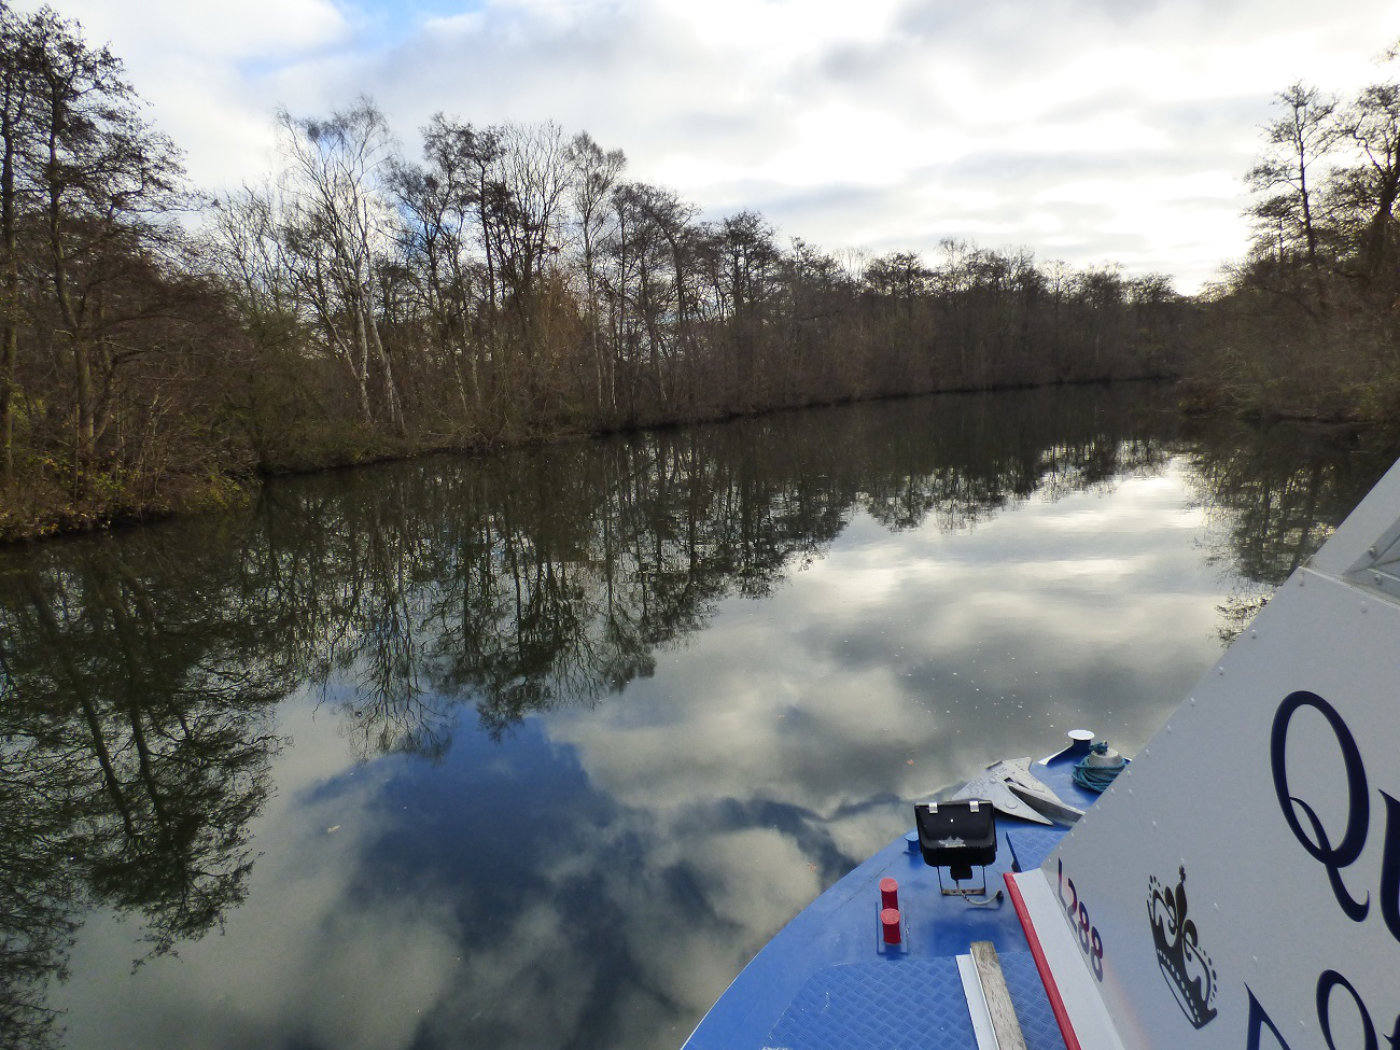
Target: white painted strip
{"x": 1078, "y": 990}
{"x": 977, "y": 1004}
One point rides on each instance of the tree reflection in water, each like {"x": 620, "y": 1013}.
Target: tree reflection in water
{"x": 139, "y": 673}
{"x": 136, "y": 748}
{"x": 1273, "y": 498}
{"x": 554, "y": 577}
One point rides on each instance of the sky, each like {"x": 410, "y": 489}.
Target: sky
{"x": 1096, "y": 132}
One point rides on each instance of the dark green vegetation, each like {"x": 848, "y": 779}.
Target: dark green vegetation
{"x": 140, "y": 672}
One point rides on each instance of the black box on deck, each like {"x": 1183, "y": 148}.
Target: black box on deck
{"x": 957, "y": 834}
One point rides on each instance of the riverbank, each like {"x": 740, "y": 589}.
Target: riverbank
{"x": 48, "y": 509}
{"x": 50, "y": 513}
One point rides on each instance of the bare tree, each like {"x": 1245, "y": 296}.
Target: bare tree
{"x": 450, "y": 201}
{"x": 104, "y": 178}
{"x": 534, "y": 180}
{"x": 339, "y": 226}
{"x": 595, "y": 173}
{"x": 18, "y": 137}
{"x": 1372, "y": 122}
{"x": 1299, "y": 141}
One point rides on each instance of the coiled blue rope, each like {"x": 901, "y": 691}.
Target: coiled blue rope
{"x": 1096, "y": 778}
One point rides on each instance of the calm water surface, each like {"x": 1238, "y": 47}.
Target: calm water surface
{"x": 537, "y": 750}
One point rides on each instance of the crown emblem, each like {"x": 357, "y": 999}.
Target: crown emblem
{"x": 1189, "y": 972}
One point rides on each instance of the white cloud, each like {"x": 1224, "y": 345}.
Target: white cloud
{"x": 199, "y": 65}
{"x": 250, "y": 29}
{"x": 1088, "y": 130}
{"x": 295, "y": 954}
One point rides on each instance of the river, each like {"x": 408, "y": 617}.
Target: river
{"x": 537, "y": 749}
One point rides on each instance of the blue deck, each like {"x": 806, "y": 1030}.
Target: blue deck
{"x": 827, "y": 979}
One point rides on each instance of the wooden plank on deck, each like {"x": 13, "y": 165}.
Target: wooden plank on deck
{"x": 994, "y": 990}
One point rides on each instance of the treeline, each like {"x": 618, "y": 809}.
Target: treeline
{"x": 509, "y": 283}
{"x": 1308, "y": 325}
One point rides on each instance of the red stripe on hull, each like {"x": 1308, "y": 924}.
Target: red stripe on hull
{"x": 1042, "y": 964}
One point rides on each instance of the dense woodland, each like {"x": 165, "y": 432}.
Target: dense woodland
{"x": 508, "y": 283}
{"x": 160, "y": 347}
